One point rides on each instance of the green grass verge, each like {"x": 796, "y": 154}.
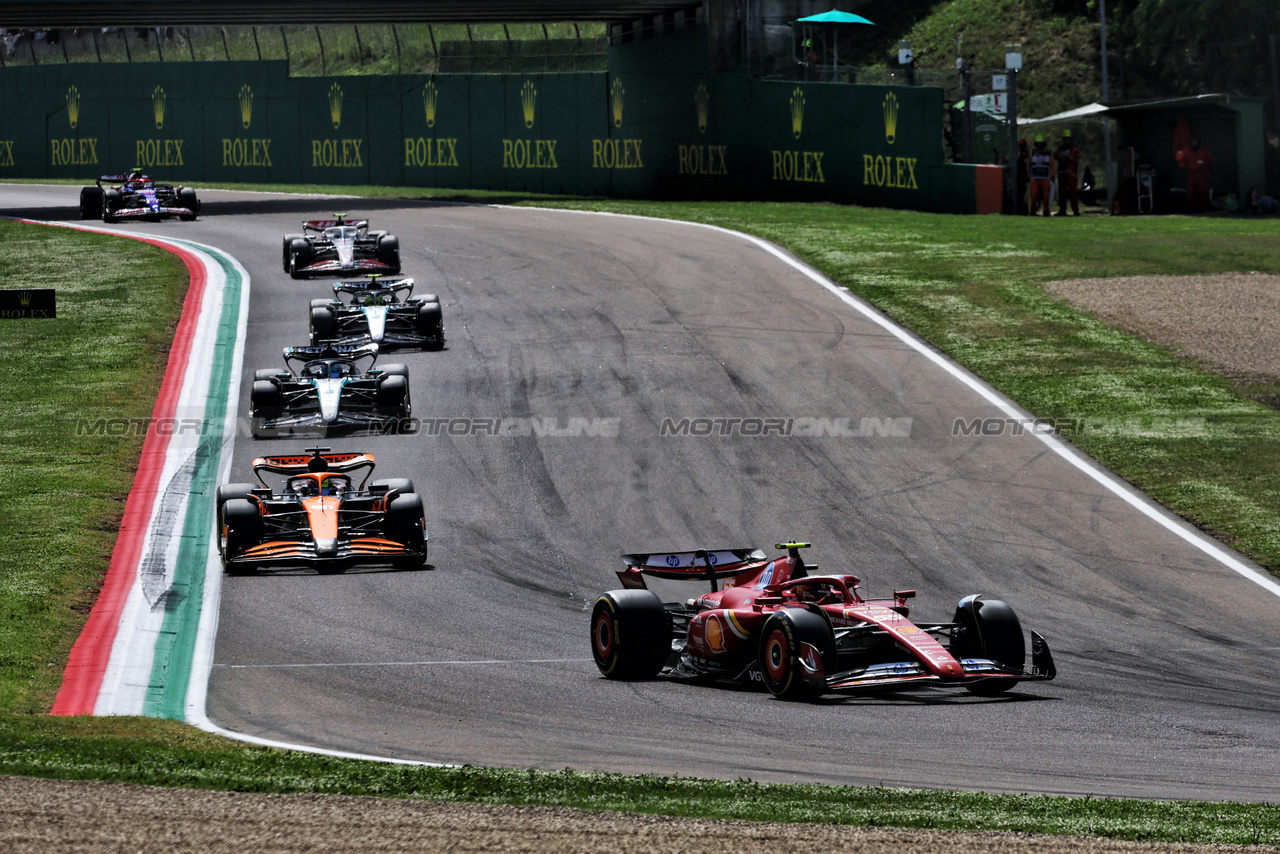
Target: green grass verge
{"x": 125, "y": 751}
{"x": 969, "y": 284}
{"x": 62, "y": 490}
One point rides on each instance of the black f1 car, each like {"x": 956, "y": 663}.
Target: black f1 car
{"x": 800, "y": 634}
{"x": 339, "y": 246}
{"x": 320, "y": 517}
{"x": 137, "y": 196}
{"x": 333, "y": 386}
{"x": 377, "y": 311}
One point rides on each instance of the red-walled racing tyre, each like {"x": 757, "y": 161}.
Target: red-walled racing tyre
{"x": 797, "y": 648}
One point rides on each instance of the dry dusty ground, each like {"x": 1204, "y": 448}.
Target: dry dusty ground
{"x": 1230, "y": 321}
{"x": 44, "y": 817}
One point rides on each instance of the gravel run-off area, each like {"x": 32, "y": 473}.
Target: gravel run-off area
{"x": 87, "y": 817}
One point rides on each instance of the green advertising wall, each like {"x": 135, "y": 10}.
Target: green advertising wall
{"x": 657, "y": 124}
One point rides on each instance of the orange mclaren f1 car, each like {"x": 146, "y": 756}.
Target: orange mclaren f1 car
{"x": 320, "y": 517}
{"x": 777, "y": 623}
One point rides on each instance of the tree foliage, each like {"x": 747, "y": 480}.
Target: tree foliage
{"x": 1197, "y": 46}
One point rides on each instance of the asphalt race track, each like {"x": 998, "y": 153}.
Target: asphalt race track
{"x": 1169, "y": 678}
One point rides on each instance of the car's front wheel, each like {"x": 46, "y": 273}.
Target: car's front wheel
{"x": 90, "y": 202}
{"x": 989, "y": 628}
{"x": 111, "y": 201}
{"x": 797, "y": 648}
{"x": 239, "y": 529}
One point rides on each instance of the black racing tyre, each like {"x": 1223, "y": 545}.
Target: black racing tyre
{"x": 402, "y": 485}
{"x": 321, "y": 302}
{"x": 90, "y": 202}
{"x": 321, "y": 324}
{"x": 376, "y": 235}
{"x": 266, "y": 400}
{"x": 228, "y": 491}
{"x": 630, "y": 634}
{"x": 406, "y": 523}
{"x": 287, "y": 247}
{"x": 268, "y": 374}
{"x": 392, "y": 392}
{"x": 239, "y": 528}
{"x": 989, "y": 628}
{"x": 788, "y": 669}
{"x": 429, "y": 298}
{"x": 301, "y": 254}
{"x": 111, "y": 201}
{"x": 187, "y": 199}
{"x": 395, "y": 369}
{"x": 430, "y": 321}
{"x": 389, "y": 251}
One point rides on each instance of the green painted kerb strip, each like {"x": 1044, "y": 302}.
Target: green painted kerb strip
{"x": 175, "y": 648}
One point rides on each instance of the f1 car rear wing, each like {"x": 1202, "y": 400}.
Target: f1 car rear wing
{"x": 351, "y": 352}
{"x": 319, "y": 461}
{"x": 374, "y": 283}
{"x": 338, "y": 219}
{"x": 698, "y": 564}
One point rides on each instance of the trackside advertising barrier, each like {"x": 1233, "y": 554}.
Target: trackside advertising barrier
{"x": 657, "y": 124}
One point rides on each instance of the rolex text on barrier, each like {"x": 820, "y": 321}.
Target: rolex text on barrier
{"x": 28, "y": 304}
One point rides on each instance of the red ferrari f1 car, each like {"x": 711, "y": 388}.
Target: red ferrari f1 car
{"x": 801, "y": 634}
{"x": 320, "y": 518}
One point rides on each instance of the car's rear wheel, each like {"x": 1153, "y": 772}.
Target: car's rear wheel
{"x": 630, "y": 635}
{"x": 797, "y": 649}
{"x": 228, "y": 491}
{"x": 267, "y": 374}
{"x": 401, "y": 485}
{"x": 989, "y": 628}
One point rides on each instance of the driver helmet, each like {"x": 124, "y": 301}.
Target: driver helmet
{"x": 818, "y": 593}
{"x": 335, "y": 371}
{"x": 330, "y": 486}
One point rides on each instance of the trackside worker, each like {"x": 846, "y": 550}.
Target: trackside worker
{"x": 1041, "y": 175}
{"x": 1068, "y": 157}
{"x": 1198, "y": 161}
{"x": 1024, "y": 177}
